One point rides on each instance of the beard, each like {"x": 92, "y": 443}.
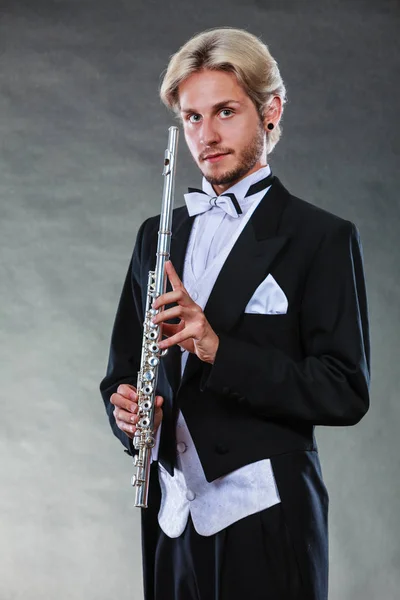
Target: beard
{"x": 247, "y": 159}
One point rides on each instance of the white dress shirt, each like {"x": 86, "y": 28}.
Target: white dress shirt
{"x": 252, "y": 488}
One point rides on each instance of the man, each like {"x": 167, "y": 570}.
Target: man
{"x": 267, "y": 334}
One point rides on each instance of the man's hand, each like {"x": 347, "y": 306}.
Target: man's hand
{"x": 125, "y": 401}
{"x": 193, "y": 333}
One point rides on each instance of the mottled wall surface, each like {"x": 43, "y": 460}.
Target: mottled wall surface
{"x": 82, "y": 136}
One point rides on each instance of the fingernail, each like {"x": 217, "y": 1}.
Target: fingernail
{"x": 132, "y": 395}
{"x": 133, "y": 418}
{"x": 133, "y": 408}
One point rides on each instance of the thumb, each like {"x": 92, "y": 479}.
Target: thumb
{"x": 159, "y": 401}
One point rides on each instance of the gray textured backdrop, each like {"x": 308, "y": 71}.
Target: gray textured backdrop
{"x": 82, "y": 140}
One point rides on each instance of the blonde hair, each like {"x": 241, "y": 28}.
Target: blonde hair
{"x": 235, "y": 51}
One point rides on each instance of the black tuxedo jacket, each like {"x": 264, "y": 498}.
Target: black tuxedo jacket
{"x": 275, "y": 376}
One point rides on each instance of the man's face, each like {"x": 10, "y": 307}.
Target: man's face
{"x": 222, "y": 127}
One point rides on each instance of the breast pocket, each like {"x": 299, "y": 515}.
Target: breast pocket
{"x": 269, "y": 298}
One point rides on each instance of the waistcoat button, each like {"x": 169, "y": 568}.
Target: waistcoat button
{"x": 181, "y": 447}
{"x": 190, "y": 495}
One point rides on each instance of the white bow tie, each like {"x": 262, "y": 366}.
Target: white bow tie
{"x": 198, "y": 202}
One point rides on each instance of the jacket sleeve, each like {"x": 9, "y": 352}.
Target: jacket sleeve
{"x": 330, "y": 385}
{"x": 126, "y": 340}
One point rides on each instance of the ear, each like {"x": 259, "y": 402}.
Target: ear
{"x": 273, "y": 111}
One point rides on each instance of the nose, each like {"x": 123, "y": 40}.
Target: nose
{"x": 209, "y": 135}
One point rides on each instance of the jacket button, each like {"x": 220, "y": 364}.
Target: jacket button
{"x": 221, "y": 449}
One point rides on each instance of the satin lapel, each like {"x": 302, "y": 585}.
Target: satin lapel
{"x": 181, "y": 229}
{"x": 245, "y": 268}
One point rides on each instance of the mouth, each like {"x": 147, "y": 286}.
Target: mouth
{"x": 215, "y": 157}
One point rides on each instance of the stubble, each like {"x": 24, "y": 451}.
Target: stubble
{"x": 247, "y": 159}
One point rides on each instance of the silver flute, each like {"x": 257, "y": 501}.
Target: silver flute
{"x": 143, "y": 439}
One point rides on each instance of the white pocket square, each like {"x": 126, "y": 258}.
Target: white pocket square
{"x": 268, "y": 299}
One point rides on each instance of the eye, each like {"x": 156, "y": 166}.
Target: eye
{"x": 194, "y": 118}
{"x": 226, "y": 110}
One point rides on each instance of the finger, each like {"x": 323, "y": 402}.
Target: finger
{"x": 180, "y": 296}
{"x": 180, "y": 311}
{"x": 126, "y": 427}
{"x": 159, "y": 401}
{"x": 128, "y": 422}
{"x": 173, "y": 275}
{"x": 172, "y": 330}
{"x": 125, "y": 416}
{"x": 124, "y": 403}
{"x": 127, "y": 390}
{"x": 178, "y": 338}
{"x": 132, "y": 416}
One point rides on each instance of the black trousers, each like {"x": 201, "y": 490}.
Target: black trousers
{"x": 277, "y": 554}
{"x": 252, "y": 558}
